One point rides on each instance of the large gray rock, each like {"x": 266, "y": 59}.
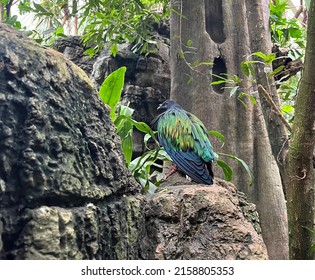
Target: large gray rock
{"x": 58, "y": 148}
{"x": 65, "y": 192}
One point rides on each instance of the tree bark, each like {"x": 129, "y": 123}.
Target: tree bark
{"x": 301, "y": 177}
{"x": 260, "y": 40}
{"x": 219, "y": 31}
{"x": 1, "y": 12}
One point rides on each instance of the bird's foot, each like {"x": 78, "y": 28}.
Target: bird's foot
{"x": 173, "y": 170}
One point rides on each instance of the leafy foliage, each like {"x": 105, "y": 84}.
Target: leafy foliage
{"x": 233, "y": 82}
{"x": 286, "y": 31}
{"x": 100, "y": 21}
{"x": 121, "y": 115}
{"x": 115, "y": 22}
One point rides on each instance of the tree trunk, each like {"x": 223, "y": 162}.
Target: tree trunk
{"x": 260, "y": 40}
{"x": 1, "y": 12}
{"x": 219, "y": 31}
{"x": 301, "y": 177}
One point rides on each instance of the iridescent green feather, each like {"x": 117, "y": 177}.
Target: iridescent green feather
{"x": 185, "y": 132}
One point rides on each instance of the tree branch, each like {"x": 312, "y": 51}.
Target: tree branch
{"x": 263, "y": 92}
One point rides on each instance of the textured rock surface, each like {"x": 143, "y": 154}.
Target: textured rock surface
{"x": 65, "y": 192}
{"x": 57, "y": 148}
{"x": 202, "y": 222}
{"x": 73, "y": 49}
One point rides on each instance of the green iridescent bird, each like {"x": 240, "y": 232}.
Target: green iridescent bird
{"x": 185, "y": 139}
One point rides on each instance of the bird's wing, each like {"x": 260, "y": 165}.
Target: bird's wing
{"x": 184, "y": 140}
{"x": 202, "y": 145}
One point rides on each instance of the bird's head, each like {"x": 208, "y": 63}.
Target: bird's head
{"x": 168, "y": 104}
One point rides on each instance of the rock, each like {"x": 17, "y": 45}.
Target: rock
{"x": 73, "y": 49}
{"x": 58, "y": 149}
{"x": 200, "y": 222}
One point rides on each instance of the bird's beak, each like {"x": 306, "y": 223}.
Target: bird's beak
{"x": 160, "y": 106}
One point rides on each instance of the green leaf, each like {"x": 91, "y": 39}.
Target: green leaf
{"x": 233, "y": 90}
{"x": 125, "y": 111}
{"x": 295, "y": 33}
{"x": 190, "y": 80}
{"x": 189, "y": 43}
{"x": 126, "y": 144}
{"x": 260, "y": 55}
{"x": 245, "y": 69}
{"x": 218, "y": 82}
{"x": 13, "y": 21}
{"x": 114, "y": 50}
{"x": 218, "y": 135}
{"x": 227, "y": 170}
{"x": 242, "y": 162}
{"x": 143, "y": 127}
{"x": 287, "y": 109}
{"x": 208, "y": 63}
{"x": 110, "y": 90}
{"x": 59, "y": 31}
{"x": 252, "y": 99}
{"x": 311, "y": 249}
{"x": 197, "y": 63}
{"x": 181, "y": 54}
{"x": 40, "y": 8}
{"x": 276, "y": 71}
{"x": 248, "y": 68}
{"x": 268, "y": 58}
{"x": 90, "y": 52}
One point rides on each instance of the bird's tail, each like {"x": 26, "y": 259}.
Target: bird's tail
{"x": 209, "y": 167}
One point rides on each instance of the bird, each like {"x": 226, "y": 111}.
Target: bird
{"x": 185, "y": 139}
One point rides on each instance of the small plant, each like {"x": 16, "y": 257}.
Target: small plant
{"x": 141, "y": 167}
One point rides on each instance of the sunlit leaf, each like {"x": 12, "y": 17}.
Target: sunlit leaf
{"x": 181, "y": 54}
{"x": 252, "y": 99}
{"x": 114, "y": 50}
{"x": 287, "y": 109}
{"x": 218, "y": 82}
{"x": 268, "y": 58}
{"x": 111, "y": 88}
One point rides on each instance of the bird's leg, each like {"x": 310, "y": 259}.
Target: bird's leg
{"x": 173, "y": 170}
